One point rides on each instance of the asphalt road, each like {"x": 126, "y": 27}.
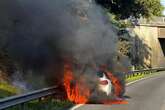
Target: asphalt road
{"x": 148, "y": 94}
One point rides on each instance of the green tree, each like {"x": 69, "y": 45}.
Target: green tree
{"x": 124, "y": 9}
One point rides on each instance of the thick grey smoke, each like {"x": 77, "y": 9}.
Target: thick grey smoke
{"x": 39, "y": 33}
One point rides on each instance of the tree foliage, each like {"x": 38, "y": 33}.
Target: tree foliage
{"x": 132, "y": 8}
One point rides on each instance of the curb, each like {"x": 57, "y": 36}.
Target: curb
{"x": 147, "y": 77}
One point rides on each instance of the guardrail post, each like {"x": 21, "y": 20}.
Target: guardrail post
{"x": 127, "y": 76}
{"x": 133, "y": 75}
{"x": 40, "y": 99}
{"x": 22, "y": 106}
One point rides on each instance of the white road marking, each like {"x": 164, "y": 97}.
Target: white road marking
{"x": 76, "y": 106}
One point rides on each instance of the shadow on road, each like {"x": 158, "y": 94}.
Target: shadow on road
{"x": 126, "y": 97}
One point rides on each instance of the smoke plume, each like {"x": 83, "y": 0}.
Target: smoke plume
{"x": 40, "y": 33}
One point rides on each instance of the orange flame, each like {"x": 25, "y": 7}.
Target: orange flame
{"x": 116, "y": 83}
{"x": 77, "y": 91}
{"x": 117, "y": 90}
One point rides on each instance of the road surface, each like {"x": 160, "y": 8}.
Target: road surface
{"x": 148, "y": 94}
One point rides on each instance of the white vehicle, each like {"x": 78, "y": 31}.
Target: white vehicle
{"x": 105, "y": 84}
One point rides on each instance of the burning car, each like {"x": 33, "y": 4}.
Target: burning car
{"x": 105, "y": 84}
{"x": 79, "y": 92}
{"x": 111, "y": 84}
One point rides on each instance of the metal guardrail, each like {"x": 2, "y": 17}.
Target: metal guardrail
{"x": 22, "y": 99}
{"x": 145, "y": 71}
{"x": 38, "y": 94}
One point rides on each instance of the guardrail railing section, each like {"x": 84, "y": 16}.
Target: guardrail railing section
{"x": 142, "y": 72}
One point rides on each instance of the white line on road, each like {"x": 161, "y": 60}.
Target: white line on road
{"x": 76, "y": 106}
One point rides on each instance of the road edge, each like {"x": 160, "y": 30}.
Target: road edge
{"x": 147, "y": 77}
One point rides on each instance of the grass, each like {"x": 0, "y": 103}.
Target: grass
{"x": 43, "y": 105}
{"x": 7, "y": 90}
{"x": 139, "y": 75}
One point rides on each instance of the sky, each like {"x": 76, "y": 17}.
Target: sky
{"x": 163, "y": 3}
